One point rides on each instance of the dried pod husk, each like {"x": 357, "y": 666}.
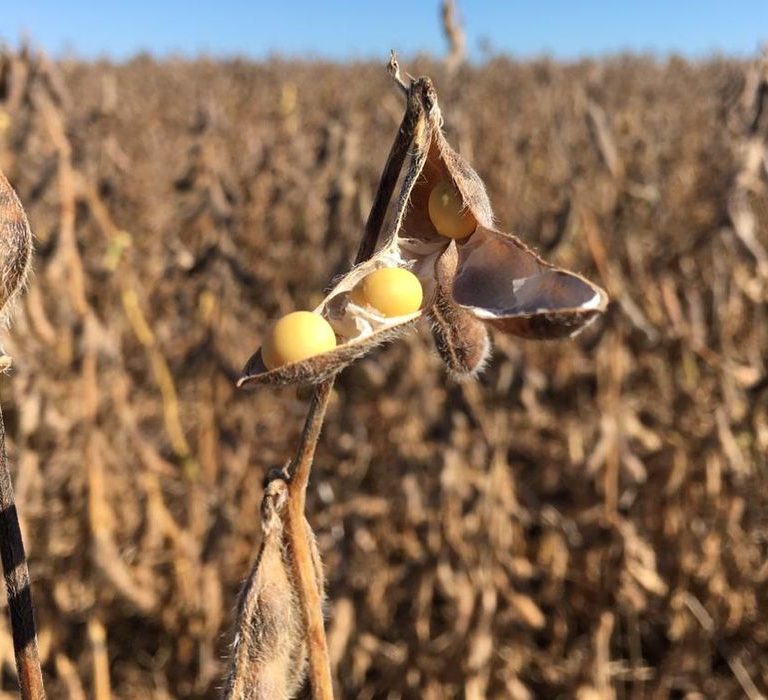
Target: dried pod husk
{"x": 434, "y": 161}
{"x": 358, "y": 329}
{"x": 502, "y": 281}
{"x": 461, "y": 338}
{"x": 270, "y": 652}
{"x": 15, "y": 247}
{"x": 498, "y": 279}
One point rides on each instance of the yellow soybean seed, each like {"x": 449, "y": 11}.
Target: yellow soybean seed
{"x": 392, "y": 291}
{"x": 447, "y": 211}
{"x": 296, "y": 337}
{"x": 356, "y": 296}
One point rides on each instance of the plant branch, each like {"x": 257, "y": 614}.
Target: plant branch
{"x": 17, "y": 585}
{"x": 303, "y": 561}
{"x": 15, "y": 254}
{"x": 301, "y": 465}
{"x": 454, "y": 34}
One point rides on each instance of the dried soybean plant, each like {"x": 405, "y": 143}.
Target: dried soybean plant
{"x": 454, "y": 35}
{"x": 269, "y": 658}
{"x": 750, "y": 147}
{"x": 432, "y": 252}
{"x": 15, "y": 257}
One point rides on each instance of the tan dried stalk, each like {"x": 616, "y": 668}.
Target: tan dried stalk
{"x": 454, "y": 35}
{"x": 751, "y": 151}
{"x": 304, "y": 557}
{"x": 15, "y": 255}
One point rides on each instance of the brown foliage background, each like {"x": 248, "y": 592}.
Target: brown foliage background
{"x": 589, "y": 519}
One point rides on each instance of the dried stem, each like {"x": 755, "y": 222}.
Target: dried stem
{"x": 302, "y": 464}
{"x": 304, "y": 561}
{"x": 454, "y": 35}
{"x": 15, "y": 252}
{"x": 751, "y": 151}
{"x": 17, "y": 585}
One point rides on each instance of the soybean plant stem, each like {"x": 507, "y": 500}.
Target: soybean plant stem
{"x": 302, "y": 462}
{"x": 17, "y": 586}
{"x": 298, "y": 537}
{"x": 298, "y": 533}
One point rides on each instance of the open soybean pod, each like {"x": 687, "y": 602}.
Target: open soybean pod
{"x": 492, "y": 277}
{"x": 357, "y": 323}
{"x": 358, "y": 327}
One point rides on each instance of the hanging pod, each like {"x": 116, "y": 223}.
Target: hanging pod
{"x": 270, "y": 650}
{"x": 460, "y": 338}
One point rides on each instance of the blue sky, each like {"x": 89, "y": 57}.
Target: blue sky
{"x": 342, "y": 30}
